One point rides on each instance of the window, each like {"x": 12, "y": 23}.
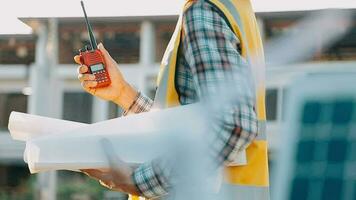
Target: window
{"x": 272, "y": 104}
{"x": 11, "y": 102}
{"x": 77, "y": 106}
{"x": 164, "y": 32}
{"x": 122, "y": 40}
{"x": 11, "y": 176}
{"x": 17, "y": 49}
{"x": 284, "y": 102}
{"x": 15, "y": 182}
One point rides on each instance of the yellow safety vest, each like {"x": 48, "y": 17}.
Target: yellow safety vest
{"x": 251, "y": 179}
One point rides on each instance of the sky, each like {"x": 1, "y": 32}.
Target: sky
{"x": 12, "y": 9}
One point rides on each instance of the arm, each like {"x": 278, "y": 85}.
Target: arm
{"x": 120, "y": 92}
{"x": 139, "y": 105}
{"x": 211, "y": 50}
{"x": 123, "y": 94}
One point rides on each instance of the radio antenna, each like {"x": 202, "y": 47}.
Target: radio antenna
{"x": 90, "y": 31}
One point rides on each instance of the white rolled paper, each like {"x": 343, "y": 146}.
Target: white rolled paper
{"x": 64, "y": 145}
{"x": 24, "y": 126}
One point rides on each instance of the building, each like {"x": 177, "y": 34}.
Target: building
{"x": 138, "y": 44}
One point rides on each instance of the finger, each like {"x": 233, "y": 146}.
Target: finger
{"x": 92, "y": 173}
{"x": 86, "y": 77}
{"x": 89, "y": 85}
{"x": 77, "y": 59}
{"x": 98, "y": 175}
{"x": 107, "y": 184}
{"x": 103, "y": 178}
{"x": 105, "y": 52}
{"x": 82, "y": 69}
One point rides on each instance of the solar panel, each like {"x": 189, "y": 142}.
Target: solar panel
{"x": 318, "y": 157}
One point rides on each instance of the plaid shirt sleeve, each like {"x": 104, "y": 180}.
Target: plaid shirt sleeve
{"x": 140, "y": 104}
{"x": 212, "y": 51}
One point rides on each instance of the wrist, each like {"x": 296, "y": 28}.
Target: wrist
{"x": 126, "y": 97}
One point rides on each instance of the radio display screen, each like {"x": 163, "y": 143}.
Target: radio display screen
{"x": 97, "y": 67}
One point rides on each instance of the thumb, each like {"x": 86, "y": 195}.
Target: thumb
{"x": 77, "y": 59}
{"x": 104, "y": 52}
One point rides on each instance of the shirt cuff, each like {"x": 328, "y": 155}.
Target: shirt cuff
{"x": 140, "y": 104}
{"x": 149, "y": 181}
{"x": 233, "y": 130}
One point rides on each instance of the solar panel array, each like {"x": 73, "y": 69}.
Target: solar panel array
{"x": 325, "y": 156}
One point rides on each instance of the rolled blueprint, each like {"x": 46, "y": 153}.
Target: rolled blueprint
{"x": 135, "y": 138}
{"x": 24, "y": 126}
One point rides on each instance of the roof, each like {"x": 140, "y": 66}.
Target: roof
{"x": 136, "y": 8}
{"x": 117, "y": 8}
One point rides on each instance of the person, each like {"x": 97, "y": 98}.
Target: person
{"x": 207, "y": 47}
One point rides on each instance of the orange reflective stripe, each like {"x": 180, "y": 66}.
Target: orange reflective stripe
{"x": 255, "y": 173}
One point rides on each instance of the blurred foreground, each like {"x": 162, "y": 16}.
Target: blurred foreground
{"x": 138, "y": 44}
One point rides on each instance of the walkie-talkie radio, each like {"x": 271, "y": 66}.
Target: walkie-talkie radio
{"x": 92, "y": 57}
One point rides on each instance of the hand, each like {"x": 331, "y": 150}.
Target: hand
{"x": 114, "y": 179}
{"x": 118, "y": 177}
{"x": 119, "y": 91}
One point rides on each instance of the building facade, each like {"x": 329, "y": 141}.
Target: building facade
{"x": 137, "y": 43}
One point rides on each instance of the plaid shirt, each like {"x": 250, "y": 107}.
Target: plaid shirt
{"x": 208, "y": 50}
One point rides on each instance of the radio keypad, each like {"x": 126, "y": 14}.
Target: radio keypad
{"x": 100, "y": 76}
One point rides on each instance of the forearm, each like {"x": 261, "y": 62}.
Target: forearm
{"x": 127, "y": 97}
{"x": 133, "y": 101}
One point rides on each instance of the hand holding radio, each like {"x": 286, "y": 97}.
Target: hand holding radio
{"x": 99, "y": 73}
{"x": 119, "y": 91}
